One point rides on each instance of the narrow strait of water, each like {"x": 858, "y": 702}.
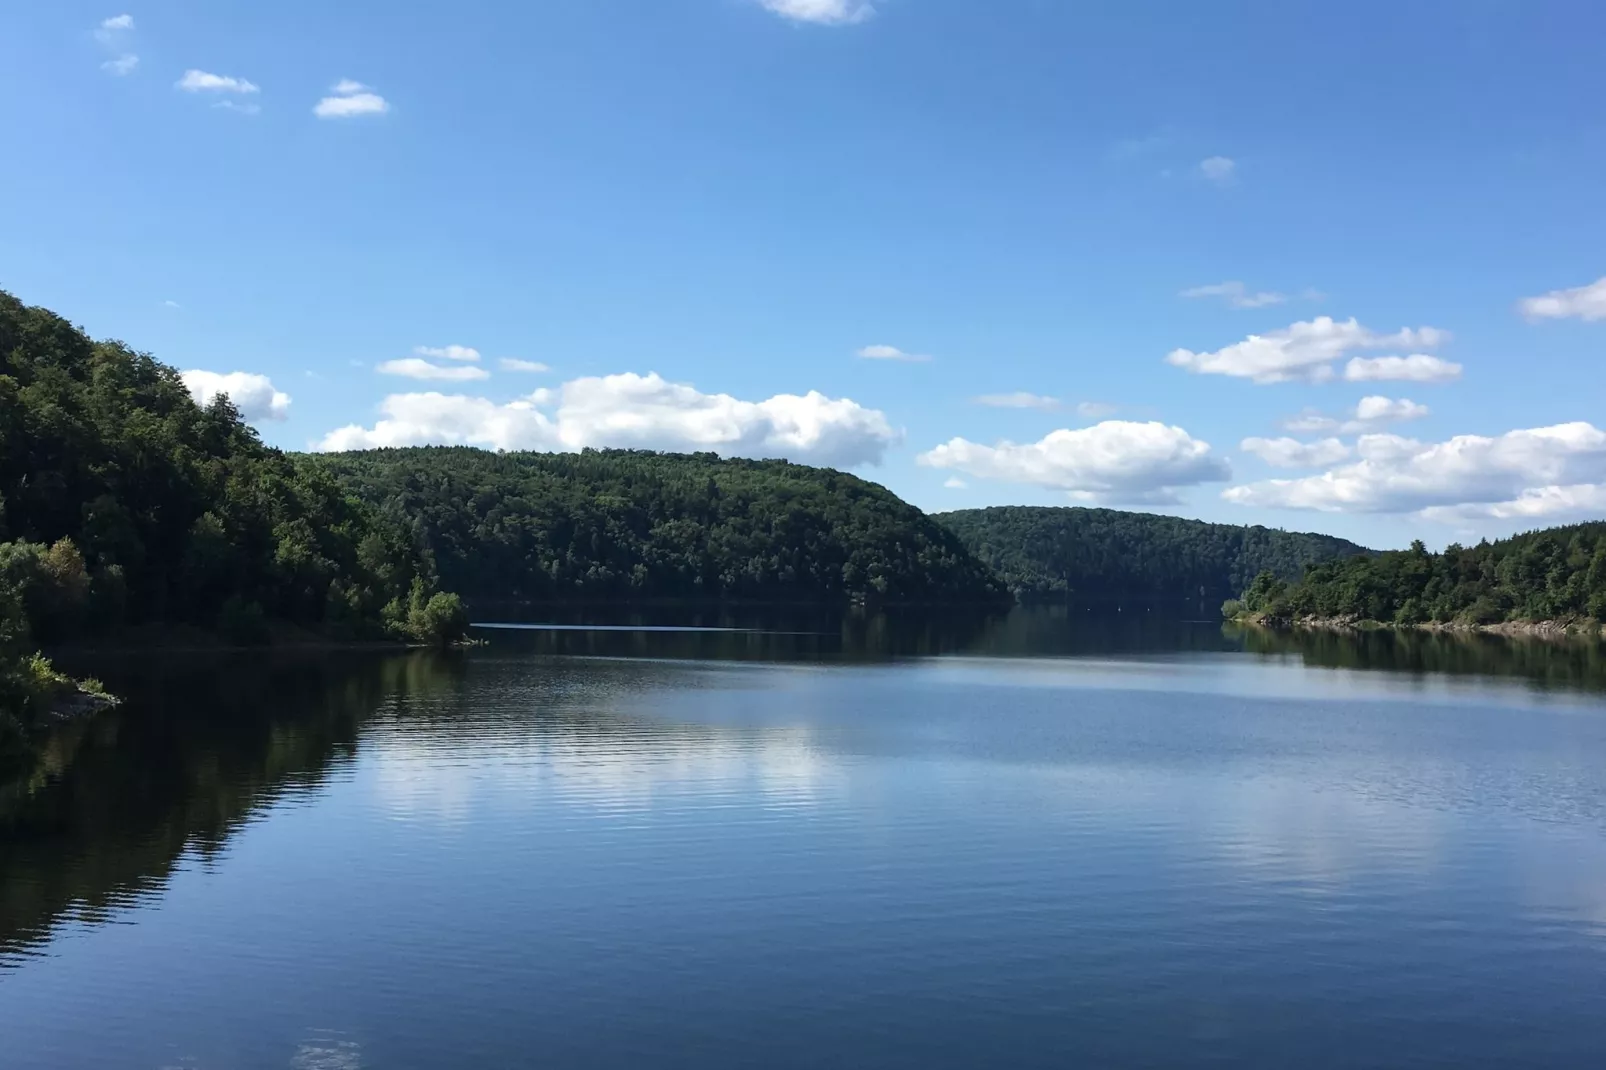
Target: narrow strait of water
{"x": 1044, "y": 840}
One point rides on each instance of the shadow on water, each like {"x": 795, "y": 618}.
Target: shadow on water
{"x": 199, "y": 745}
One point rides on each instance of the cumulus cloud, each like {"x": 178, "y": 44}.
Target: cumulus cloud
{"x": 122, "y": 65}
{"x": 892, "y": 353}
{"x": 1219, "y": 169}
{"x": 1369, "y": 414}
{"x": 634, "y": 411}
{"x": 955, "y": 483}
{"x": 349, "y": 99}
{"x": 1094, "y": 410}
{"x": 1580, "y": 302}
{"x": 1236, "y": 295}
{"x": 1018, "y": 400}
{"x": 1306, "y": 351}
{"x": 204, "y": 82}
{"x": 1116, "y": 461}
{"x": 1292, "y": 453}
{"x": 448, "y": 352}
{"x": 416, "y": 368}
{"x": 1536, "y": 503}
{"x": 252, "y": 394}
{"x": 821, "y": 12}
{"x": 513, "y": 364}
{"x": 1377, "y": 409}
{"x": 115, "y": 24}
{"x": 1417, "y": 368}
{"x": 1546, "y": 471}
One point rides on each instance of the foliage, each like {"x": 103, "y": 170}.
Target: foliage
{"x": 1104, "y": 553}
{"x": 624, "y": 524}
{"x": 1553, "y": 575}
{"x": 124, "y": 503}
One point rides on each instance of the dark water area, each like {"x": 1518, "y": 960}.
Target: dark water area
{"x": 1044, "y": 838}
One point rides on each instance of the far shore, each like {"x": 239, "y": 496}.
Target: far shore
{"x": 1538, "y": 629}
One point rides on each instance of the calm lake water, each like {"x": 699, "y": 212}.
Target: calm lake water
{"x": 1051, "y": 839}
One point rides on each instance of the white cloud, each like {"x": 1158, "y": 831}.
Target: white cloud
{"x": 203, "y": 82}
{"x": 1378, "y": 410}
{"x": 350, "y": 99}
{"x": 1292, "y": 453}
{"x": 171, "y": 304}
{"x": 1115, "y": 461}
{"x": 634, "y": 411}
{"x": 1369, "y": 414}
{"x": 1581, "y": 302}
{"x": 243, "y": 107}
{"x": 113, "y": 32}
{"x": 1417, "y": 368}
{"x": 955, "y": 483}
{"x": 1548, "y": 503}
{"x": 1018, "y": 400}
{"x": 892, "y": 353}
{"x": 116, "y": 34}
{"x": 1094, "y": 410}
{"x": 1306, "y": 351}
{"x": 1236, "y": 294}
{"x": 821, "y": 12}
{"x": 1218, "y": 169}
{"x": 253, "y": 395}
{"x": 448, "y": 352}
{"x": 414, "y": 368}
{"x": 513, "y": 364}
{"x": 1543, "y": 471}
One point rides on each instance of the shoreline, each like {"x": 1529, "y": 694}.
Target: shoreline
{"x": 1511, "y": 629}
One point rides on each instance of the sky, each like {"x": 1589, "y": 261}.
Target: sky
{"x": 1333, "y": 268}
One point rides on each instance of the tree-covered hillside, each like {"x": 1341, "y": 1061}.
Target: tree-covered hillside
{"x": 1554, "y": 575}
{"x": 617, "y": 524}
{"x": 124, "y": 503}
{"x": 1044, "y": 552}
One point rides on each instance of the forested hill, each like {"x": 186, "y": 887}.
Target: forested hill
{"x": 122, "y": 503}
{"x": 1046, "y": 552}
{"x": 1557, "y": 574}
{"x": 622, "y": 524}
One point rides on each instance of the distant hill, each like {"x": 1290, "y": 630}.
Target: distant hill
{"x": 1558, "y": 574}
{"x": 631, "y": 524}
{"x": 1045, "y": 552}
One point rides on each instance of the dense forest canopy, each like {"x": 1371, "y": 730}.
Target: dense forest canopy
{"x": 124, "y": 503}
{"x": 1554, "y": 575}
{"x": 624, "y": 524}
{"x": 1046, "y": 552}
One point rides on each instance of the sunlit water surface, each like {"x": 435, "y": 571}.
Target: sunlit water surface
{"x": 1037, "y": 841}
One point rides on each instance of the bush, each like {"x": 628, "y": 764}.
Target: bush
{"x": 1232, "y": 609}
{"x": 441, "y": 621}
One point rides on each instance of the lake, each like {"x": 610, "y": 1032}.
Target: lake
{"x": 1054, "y": 838}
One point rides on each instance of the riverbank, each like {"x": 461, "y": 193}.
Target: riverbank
{"x": 1539, "y": 629}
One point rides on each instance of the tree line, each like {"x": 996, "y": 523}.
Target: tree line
{"x": 1558, "y": 574}
{"x": 636, "y": 525}
{"x": 1054, "y": 553}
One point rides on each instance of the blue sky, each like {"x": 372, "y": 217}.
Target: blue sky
{"x": 741, "y": 197}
